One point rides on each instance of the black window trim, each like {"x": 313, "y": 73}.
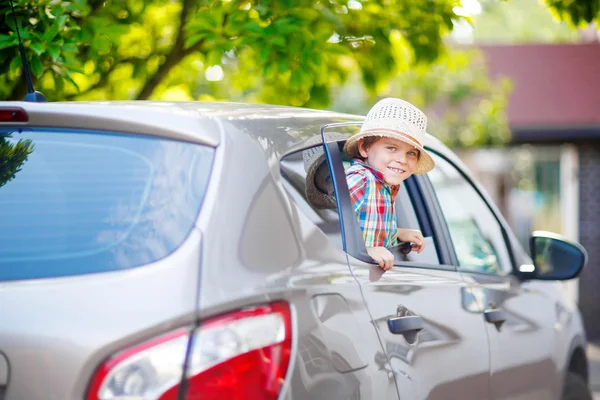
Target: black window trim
{"x": 441, "y": 232}
{"x": 505, "y": 236}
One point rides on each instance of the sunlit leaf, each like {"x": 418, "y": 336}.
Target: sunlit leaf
{"x": 37, "y": 68}
{"x": 14, "y": 64}
{"x": 38, "y": 48}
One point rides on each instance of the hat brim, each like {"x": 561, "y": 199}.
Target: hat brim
{"x": 314, "y": 196}
{"x": 424, "y": 164}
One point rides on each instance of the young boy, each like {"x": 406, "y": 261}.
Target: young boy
{"x": 387, "y": 150}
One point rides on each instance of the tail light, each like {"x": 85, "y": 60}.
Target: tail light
{"x": 240, "y": 355}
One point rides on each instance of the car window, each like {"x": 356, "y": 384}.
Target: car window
{"x": 296, "y": 168}
{"x": 75, "y": 202}
{"x": 320, "y": 210}
{"x": 475, "y": 231}
{"x": 406, "y": 217}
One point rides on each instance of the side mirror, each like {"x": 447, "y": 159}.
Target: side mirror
{"x": 554, "y": 257}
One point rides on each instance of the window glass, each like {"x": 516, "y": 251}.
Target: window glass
{"x": 313, "y": 203}
{"x": 475, "y": 231}
{"x": 77, "y": 202}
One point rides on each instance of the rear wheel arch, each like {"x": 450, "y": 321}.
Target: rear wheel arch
{"x": 578, "y": 363}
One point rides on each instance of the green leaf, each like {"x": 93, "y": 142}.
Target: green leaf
{"x": 59, "y": 84}
{"x": 214, "y": 57}
{"x": 201, "y": 24}
{"x": 62, "y": 20}
{"x": 139, "y": 70}
{"x": 8, "y": 41}
{"x": 54, "y": 52}
{"x": 101, "y": 44}
{"x": 253, "y": 27}
{"x": 192, "y": 40}
{"x": 51, "y": 32}
{"x": 307, "y": 14}
{"x": 37, "y": 69}
{"x": 278, "y": 41}
{"x": 115, "y": 31}
{"x": 296, "y": 79}
{"x": 70, "y": 79}
{"x": 38, "y": 48}
{"x": 265, "y": 51}
{"x": 69, "y": 48}
{"x": 15, "y": 63}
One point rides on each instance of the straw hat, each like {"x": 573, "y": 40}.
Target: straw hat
{"x": 397, "y": 119}
{"x": 313, "y": 158}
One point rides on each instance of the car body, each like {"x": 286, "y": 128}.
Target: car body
{"x": 167, "y": 249}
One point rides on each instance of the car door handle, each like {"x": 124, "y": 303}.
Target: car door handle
{"x": 495, "y": 316}
{"x": 407, "y": 324}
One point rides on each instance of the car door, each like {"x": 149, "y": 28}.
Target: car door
{"x": 519, "y": 316}
{"x": 339, "y": 354}
{"x": 436, "y": 346}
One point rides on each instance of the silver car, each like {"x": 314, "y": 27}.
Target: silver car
{"x": 159, "y": 250}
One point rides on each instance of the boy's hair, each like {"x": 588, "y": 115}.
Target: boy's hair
{"x": 369, "y": 141}
{"x": 364, "y": 144}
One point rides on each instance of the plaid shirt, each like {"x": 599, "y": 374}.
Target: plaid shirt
{"x": 373, "y": 201}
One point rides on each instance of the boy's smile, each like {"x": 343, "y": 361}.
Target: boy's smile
{"x": 394, "y": 158}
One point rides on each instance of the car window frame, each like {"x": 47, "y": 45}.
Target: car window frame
{"x": 353, "y": 241}
{"x": 507, "y": 240}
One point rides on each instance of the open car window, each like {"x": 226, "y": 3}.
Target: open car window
{"x": 410, "y": 210}
{"x": 321, "y": 213}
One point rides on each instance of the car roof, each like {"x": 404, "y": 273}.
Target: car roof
{"x": 282, "y": 128}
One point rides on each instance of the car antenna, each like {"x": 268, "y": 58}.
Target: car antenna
{"x": 32, "y": 95}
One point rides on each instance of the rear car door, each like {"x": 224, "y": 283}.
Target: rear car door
{"x": 436, "y": 346}
{"x": 339, "y": 355}
{"x": 519, "y": 317}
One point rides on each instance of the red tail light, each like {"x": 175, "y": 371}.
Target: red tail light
{"x": 13, "y": 114}
{"x": 241, "y": 355}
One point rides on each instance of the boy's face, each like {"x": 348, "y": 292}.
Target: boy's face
{"x": 394, "y": 158}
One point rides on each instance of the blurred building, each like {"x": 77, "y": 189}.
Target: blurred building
{"x": 549, "y": 177}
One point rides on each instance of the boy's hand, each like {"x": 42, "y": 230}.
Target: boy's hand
{"x": 383, "y": 256}
{"x": 414, "y": 236}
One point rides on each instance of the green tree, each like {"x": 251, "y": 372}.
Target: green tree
{"x": 282, "y": 51}
{"x": 464, "y": 107}
{"x": 12, "y": 157}
{"x": 578, "y": 13}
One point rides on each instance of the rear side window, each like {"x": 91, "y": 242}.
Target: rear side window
{"x": 86, "y": 202}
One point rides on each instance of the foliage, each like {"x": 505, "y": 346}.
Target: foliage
{"x": 464, "y": 107}
{"x": 578, "y": 13}
{"x": 12, "y": 157}
{"x": 280, "y": 51}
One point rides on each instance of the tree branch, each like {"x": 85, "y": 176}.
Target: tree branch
{"x": 177, "y": 54}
